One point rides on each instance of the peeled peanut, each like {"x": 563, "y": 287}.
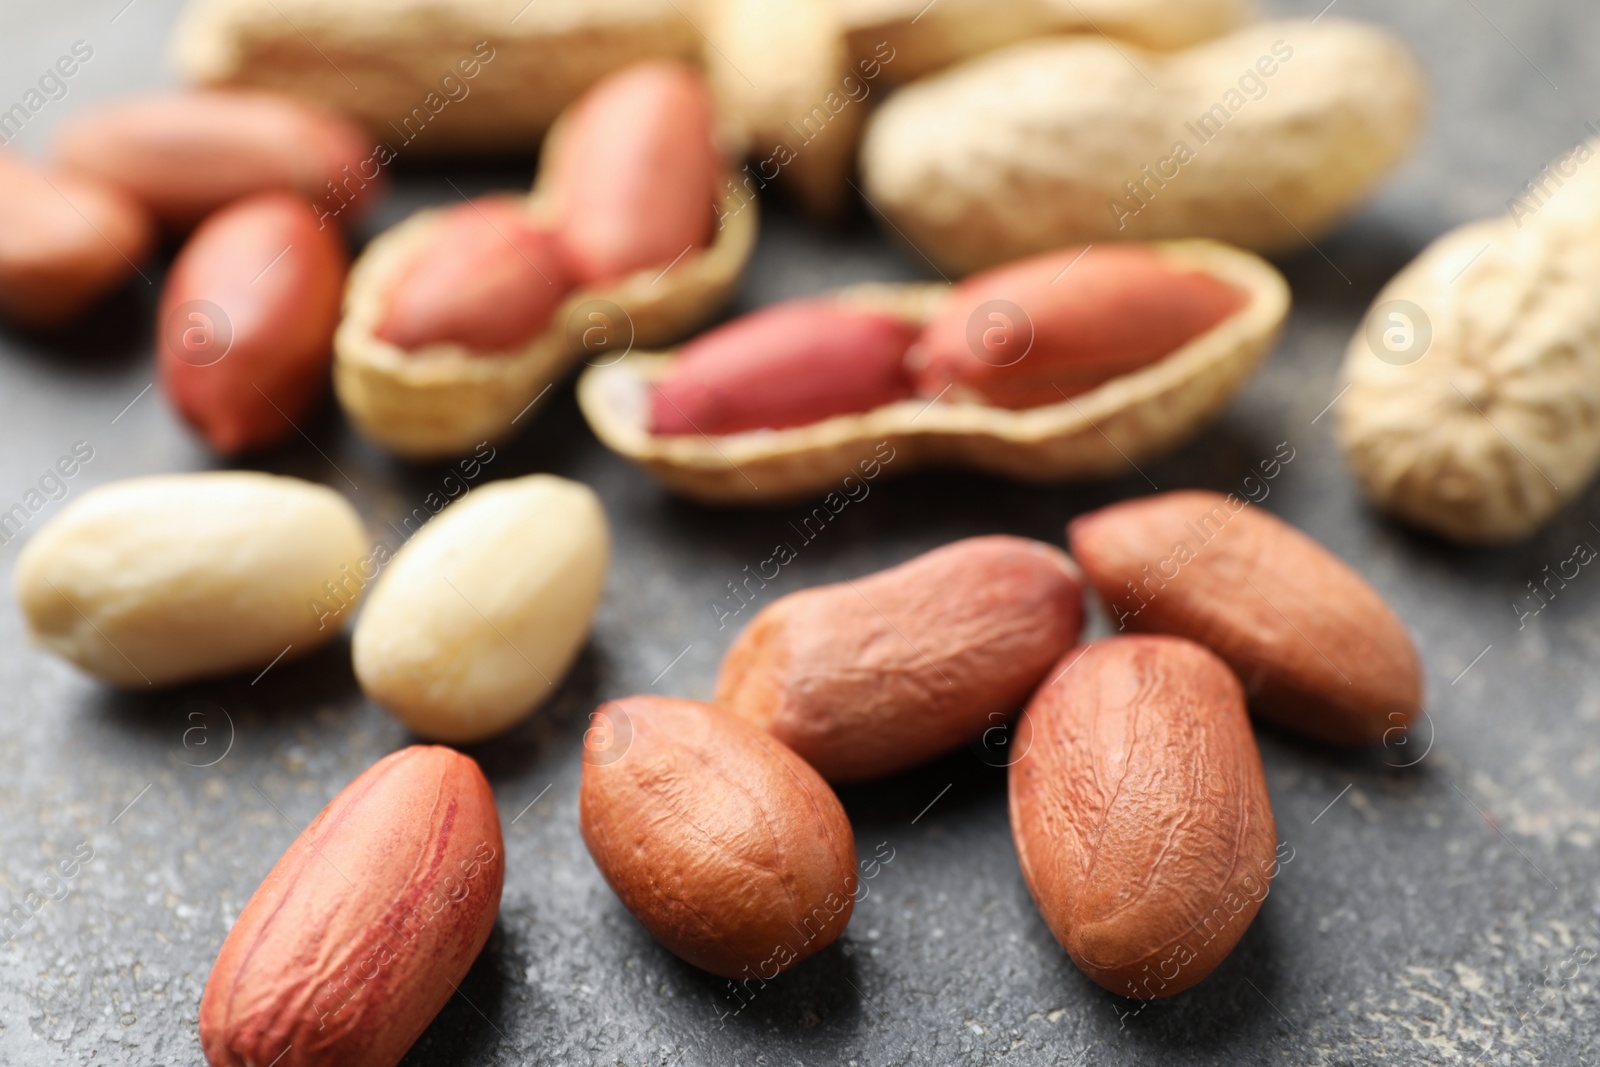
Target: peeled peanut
{"x": 868, "y": 677}
{"x": 247, "y": 317}
{"x": 366, "y": 926}
{"x": 186, "y": 154}
{"x": 159, "y": 580}
{"x": 635, "y": 172}
{"x": 788, "y": 365}
{"x": 1264, "y": 138}
{"x": 1058, "y": 325}
{"x": 64, "y": 242}
{"x": 478, "y": 617}
{"x": 1140, "y": 813}
{"x": 488, "y": 279}
{"x": 1318, "y": 650}
{"x": 732, "y": 852}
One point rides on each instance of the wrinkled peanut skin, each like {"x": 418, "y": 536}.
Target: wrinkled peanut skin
{"x": 1140, "y": 813}
{"x": 490, "y": 280}
{"x": 186, "y": 154}
{"x": 870, "y": 677}
{"x": 723, "y": 843}
{"x": 788, "y": 365}
{"x": 278, "y": 280}
{"x": 635, "y": 173}
{"x": 1318, "y": 650}
{"x": 65, "y": 241}
{"x": 362, "y": 931}
{"x": 1087, "y": 316}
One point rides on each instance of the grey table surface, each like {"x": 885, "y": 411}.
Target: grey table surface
{"x": 1429, "y": 912}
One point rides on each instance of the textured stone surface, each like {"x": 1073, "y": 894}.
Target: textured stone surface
{"x": 1426, "y": 912}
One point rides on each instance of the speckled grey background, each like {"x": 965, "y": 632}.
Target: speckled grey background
{"x": 1427, "y": 913}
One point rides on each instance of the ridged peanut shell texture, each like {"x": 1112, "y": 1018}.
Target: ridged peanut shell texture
{"x": 1140, "y": 813}
{"x": 867, "y": 677}
{"x": 165, "y": 579}
{"x": 1474, "y": 383}
{"x": 1144, "y": 410}
{"x": 1318, "y": 650}
{"x": 724, "y": 844}
{"x": 475, "y": 621}
{"x": 1036, "y": 146}
{"x": 363, "y": 930}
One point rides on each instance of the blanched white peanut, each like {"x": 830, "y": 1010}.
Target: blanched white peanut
{"x": 481, "y": 613}
{"x": 159, "y": 580}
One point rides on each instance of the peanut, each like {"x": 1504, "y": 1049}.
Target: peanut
{"x": 186, "y": 154}
{"x": 480, "y": 615}
{"x": 159, "y": 580}
{"x": 724, "y": 845}
{"x": 489, "y": 279}
{"x": 1140, "y": 813}
{"x": 246, "y": 324}
{"x": 788, "y": 365}
{"x": 1264, "y": 139}
{"x": 1318, "y": 650}
{"x": 64, "y": 242}
{"x": 1472, "y": 386}
{"x": 363, "y": 929}
{"x": 869, "y": 677}
{"x": 1058, "y": 325}
{"x": 635, "y": 172}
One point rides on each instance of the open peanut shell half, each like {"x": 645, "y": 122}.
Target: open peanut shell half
{"x": 442, "y": 399}
{"x": 1099, "y": 433}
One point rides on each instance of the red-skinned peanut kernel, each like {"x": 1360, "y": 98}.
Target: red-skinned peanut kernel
{"x": 247, "y": 318}
{"x": 636, "y": 172}
{"x": 1053, "y": 326}
{"x": 788, "y": 365}
{"x": 186, "y": 154}
{"x": 64, "y": 242}
{"x": 490, "y": 279}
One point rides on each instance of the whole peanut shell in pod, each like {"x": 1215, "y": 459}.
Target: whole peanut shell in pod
{"x": 1264, "y": 138}
{"x": 1140, "y": 813}
{"x": 245, "y": 330}
{"x": 430, "y": 78}
{"x": 166, "y": 579}
{"x": 635, "y": 172}
{"x": 366, "y": 926}
{"x": 868, "y": 677}
{"x": 1318, "y": 650}
{"x": 723, "y": 843}
{"x": 923, "y": 38}
{"x": 433, "y": 391}
{"x": 1058, "y": 325}
{"x": 810, "y": 410}
{"x": 475, "y": 621}
{"x": 795, "y": 98}
{"x": 186, "y": 154}
{"x": 65, "y": 241}
{"x": 1474, "y": 382}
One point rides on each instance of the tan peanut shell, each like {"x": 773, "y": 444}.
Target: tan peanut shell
{"x": 441, "y": 400}
{"x": 1316, "y": 646}
{"x": 868, "y": 677}
{"x": 1471, "y": 409}
{"x": 1076, "y": 139}
{"x": 479, "y": 616}
{"x": 427, "y": 77}
{"x": 165, "y": 579}
{"x": 366, "y": 926}
{"x": 721, "y": 841}
{"x": 1140, "y": 813}
{"x": 778, "y": 71}
{"x": 1093, "y": 435}
{"x": 926, "y": 37}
